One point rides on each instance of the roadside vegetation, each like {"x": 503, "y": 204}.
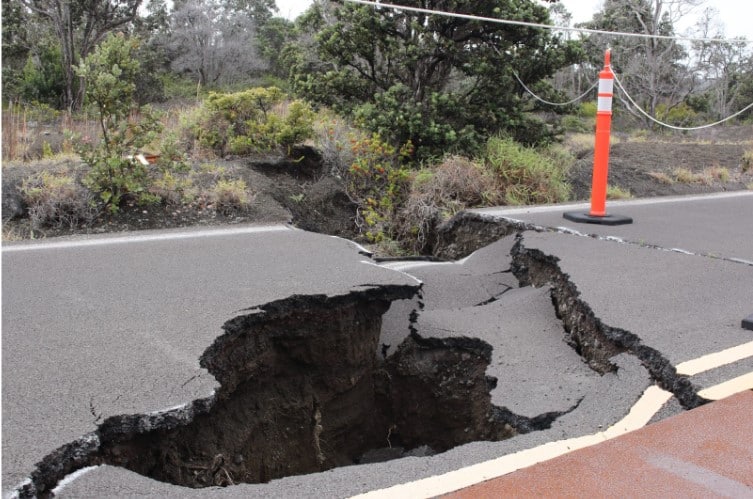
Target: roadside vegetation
{"x": 133, "y": 114}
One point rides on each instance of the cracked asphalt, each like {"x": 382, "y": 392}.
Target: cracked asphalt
{"x": 116, "y": 325}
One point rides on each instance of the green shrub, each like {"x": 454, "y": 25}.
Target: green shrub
{"x": 525, "y": 176}
{"x": 572, "y": 123}
{"x": 255, "y": 120}
{"x": 42, "y": 78}
{"x": 616, "y": 192}
{"x": 378, "y": 182}
{"x": 109, "y": 73}
{"x": 172, "y": 189}
{"x": 56, "y": 200}
{"x": 587, "y": 109}
{"x": 681, "y": 115}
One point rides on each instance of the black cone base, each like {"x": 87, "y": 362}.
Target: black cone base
{"x": 748, "y": 322}
{"x": 585, "y": 218}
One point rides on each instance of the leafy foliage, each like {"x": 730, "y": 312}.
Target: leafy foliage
{"x": 110, "y": 72}
{"x": 525, "y": 176}
{"x": 78, "y": 28}
{"x": 255, "y": 120}
{"x": 42, "y": 79}
{"x": 442, "y": 83}
{"x": 378, "y": 182}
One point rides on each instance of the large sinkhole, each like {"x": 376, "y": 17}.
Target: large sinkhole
{"x": 303, "y": 390}
{"x": 305, "y": 387}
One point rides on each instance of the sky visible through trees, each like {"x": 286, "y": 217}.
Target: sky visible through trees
{"x": 734, "y": 14}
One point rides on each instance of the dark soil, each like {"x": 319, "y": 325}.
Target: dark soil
{"x": 648, "y": 168}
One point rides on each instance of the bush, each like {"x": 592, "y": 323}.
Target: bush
{"x": 333, "y": 137}
{"x": 378, "y": 182}
{"x": 255, "y": 120}
{"x": 42, "y": 78}
{"x": 587, "y": 110}
{"x": 230, "y": 196}
{"x": 525, "y": 176}
{"x": 746, "y": 161}
{"x": 438, "y": 193}
{"x": 680, "y": 115}
{"x": 572, "y": 123}
{"x": 56, "y": 201}
{"x": 172, "y": 189}
{"x": 615, "y": 192}
{"x": 110, "y": 72}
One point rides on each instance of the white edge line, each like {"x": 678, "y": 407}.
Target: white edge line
{"x": 640, "y": 414}
{"x": 714, "y": 360}
{"x": 140, "y": 238}
{"x": 504, "y": 211}
{"x": 414, "y": 278}
{"x": 71, "y": 478}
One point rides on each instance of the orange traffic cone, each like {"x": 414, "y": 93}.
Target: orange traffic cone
{"x": 598, "y": 213}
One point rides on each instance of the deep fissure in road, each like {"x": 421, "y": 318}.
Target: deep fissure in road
{"x": 593, "y": 340}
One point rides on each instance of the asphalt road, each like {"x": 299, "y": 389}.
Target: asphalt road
{"x": 116, "y": 325}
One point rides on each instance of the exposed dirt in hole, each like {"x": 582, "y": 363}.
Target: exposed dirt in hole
{"x": 303, "y": 391}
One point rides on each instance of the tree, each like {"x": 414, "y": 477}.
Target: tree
{"x": 724, "y": 67}
{"x": 79, "y": 25}
{"x": 442, "y": 83}
{"x": 260, "y": 11}
{"x": 110, "y": 72}
{"x": 653, "y": 70}
{"x": 212, "y": 43}
{"x": 271, "y": 39}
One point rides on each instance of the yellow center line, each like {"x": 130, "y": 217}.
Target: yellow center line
{"x": 640, "y": 414}
{"x": 714, "y": 360}
{"x": 728, "y": 388}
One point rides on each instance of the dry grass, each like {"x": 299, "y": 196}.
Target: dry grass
{"x": 661, "y": 177}
{"x": 57, "y": 200}
{"x": 230, "y": 196}
{"x": 614, "y": 192}
{"x": 718, "y": 173}
{"x": 746, "y": 163}
{"x": 438, "y": 193}
{"x": 686, "y": 176}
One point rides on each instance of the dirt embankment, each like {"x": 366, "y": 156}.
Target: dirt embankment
{"x": 302, "y": 191}
{"x": 650, "y": 169}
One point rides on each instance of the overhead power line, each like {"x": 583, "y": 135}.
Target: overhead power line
{"x": 673, "y": 127}
{"x": 543, "y": 26}
{"x": 573, "y": 101}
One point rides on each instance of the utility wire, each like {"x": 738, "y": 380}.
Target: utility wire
{"x": 543, "y": 26}
{"x": 554, "y": 103}
{"x": 667, "y": 125}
